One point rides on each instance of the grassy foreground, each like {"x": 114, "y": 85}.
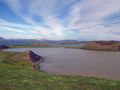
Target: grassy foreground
{"x": 16, "y": 74}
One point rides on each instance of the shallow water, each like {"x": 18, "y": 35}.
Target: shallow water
{"x": 78, "y": 62}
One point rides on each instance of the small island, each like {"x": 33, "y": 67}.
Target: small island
{"x": 102, "y": 46}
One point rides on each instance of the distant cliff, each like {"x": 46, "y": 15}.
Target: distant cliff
{"x": 102, "y": 46}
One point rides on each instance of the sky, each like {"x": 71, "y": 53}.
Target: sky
{"x": 60, "y": 19}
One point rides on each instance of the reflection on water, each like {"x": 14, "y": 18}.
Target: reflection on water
{"x": 78, "y": 62}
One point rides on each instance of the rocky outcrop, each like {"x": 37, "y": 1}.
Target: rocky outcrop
{"x": 102, "y": 46}
{"x": 29, "y": 57}
{"x": 3, "y": 47}
{"x": 34, "y": 58}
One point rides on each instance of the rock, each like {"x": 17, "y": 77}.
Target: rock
{"x": 29, "y": 57}
{"x": 3, "y": 47}
{"x": 34, "y": 58}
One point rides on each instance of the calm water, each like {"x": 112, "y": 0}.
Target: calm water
{"x": 78, "y": 62}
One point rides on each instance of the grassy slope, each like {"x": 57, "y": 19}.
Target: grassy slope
{"x": 17, "y": 75}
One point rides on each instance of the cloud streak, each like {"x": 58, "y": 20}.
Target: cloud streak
{"x": 82, "y": 19}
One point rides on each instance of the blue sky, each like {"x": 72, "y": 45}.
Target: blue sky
{"x": 60, "y": 19}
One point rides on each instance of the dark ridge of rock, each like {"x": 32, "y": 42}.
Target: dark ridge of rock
{"x": 3, "y": 47}
{"x": 34, "y": 58}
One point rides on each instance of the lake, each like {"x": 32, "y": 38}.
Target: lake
{"x": 78, "y": 62}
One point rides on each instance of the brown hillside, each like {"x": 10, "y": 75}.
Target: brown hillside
{"x": 102, "y": 46}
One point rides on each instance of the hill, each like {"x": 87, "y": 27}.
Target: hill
{"x": 1, "y": 38}
{"x": 102, "y": 46}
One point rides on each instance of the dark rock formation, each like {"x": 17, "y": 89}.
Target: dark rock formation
{"x": 3, "y": 47}
{"x": 29, "y": 57}
{"x": 34, "y": 58}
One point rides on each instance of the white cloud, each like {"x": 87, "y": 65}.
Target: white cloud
{"x": 88, "y": 16}
{"x": 37, "y": 31}
{"x": 90, "y": 11}
{"x": 85, "y": 15}
{"x": 47, "y": 8}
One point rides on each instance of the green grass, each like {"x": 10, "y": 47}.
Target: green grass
{"x": 17, "y": 75}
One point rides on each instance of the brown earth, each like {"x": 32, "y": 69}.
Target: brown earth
{"x": 102, "y": 46}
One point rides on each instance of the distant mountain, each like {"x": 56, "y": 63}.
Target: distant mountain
{"x": 17, "y": 41}
{"x": 43, "y": 41}
{"x": 33, "y": 41}
{"x": 1, "y": 38}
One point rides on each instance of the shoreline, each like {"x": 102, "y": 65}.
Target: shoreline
{"x": 41, "y": 68}
{"x": 16, "y": 73}
{"x": 81, "y": 75}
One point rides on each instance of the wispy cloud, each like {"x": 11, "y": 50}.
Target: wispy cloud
{"x": 81, "y": 18}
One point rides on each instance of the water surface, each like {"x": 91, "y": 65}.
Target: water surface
{"x": 78, "y": 62}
